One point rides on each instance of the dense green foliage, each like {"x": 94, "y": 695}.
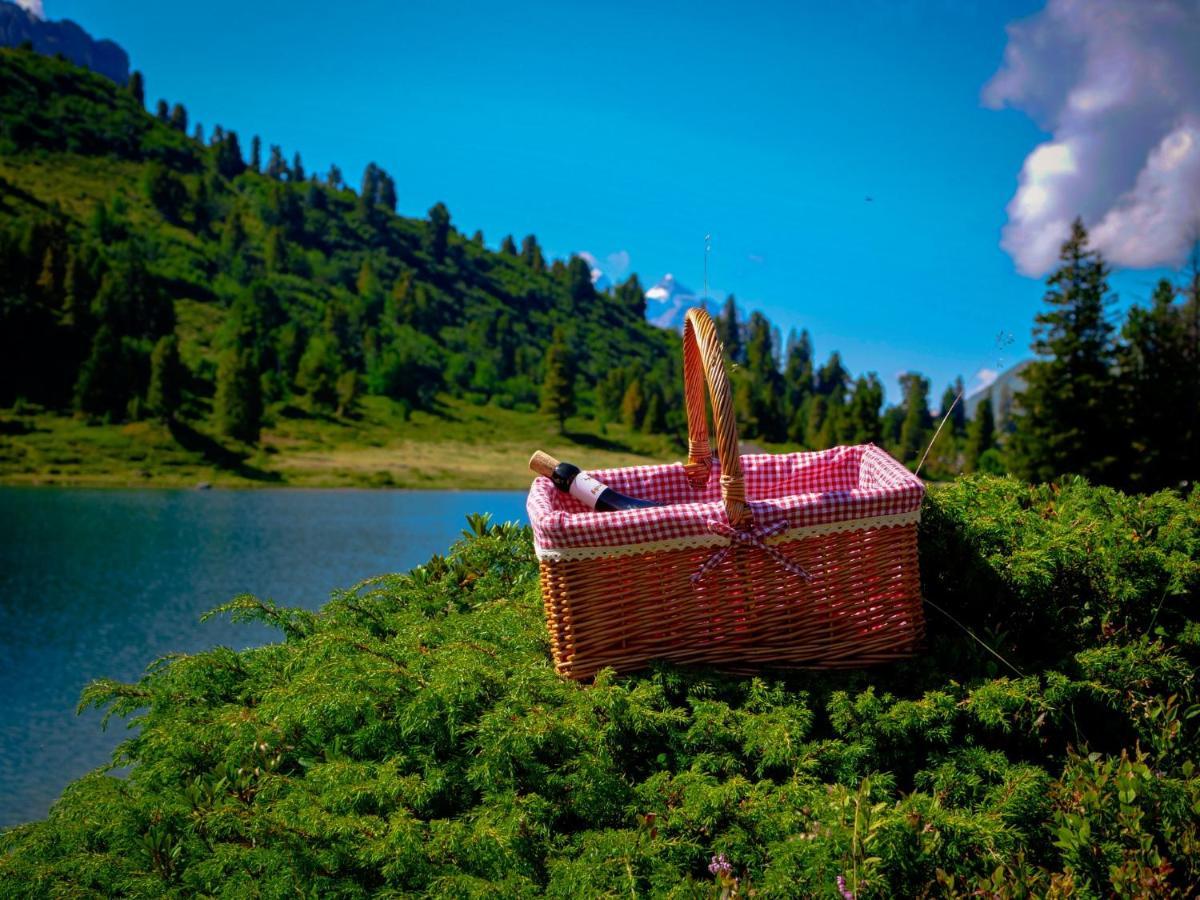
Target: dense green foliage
{"x": 412, "y": 738}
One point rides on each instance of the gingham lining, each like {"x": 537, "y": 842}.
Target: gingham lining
{"x": 565, "y": 554}
{"x": 844, "y": 484}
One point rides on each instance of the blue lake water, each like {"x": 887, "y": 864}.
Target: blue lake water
{"x": 99, "y": 583}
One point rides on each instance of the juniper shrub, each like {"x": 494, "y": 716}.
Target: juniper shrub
{"x": 412, "y": 738}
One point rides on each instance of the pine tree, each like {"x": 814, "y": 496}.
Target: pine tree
{"x": 632, "y": 297}
{"x": 256, "y": 153}
{"x": 387, "y": 191}
{"x": 1155, "y": 381}
{"x": 103, "y": 385}
{"x": 349, "y": 389}
{"x": 863, "y": 424}
{"x": 798, "y": 371}
{"x": 238, "y": 401}
{"x": 198, "y": 133}
{"x": 729, "y": 330}
{"x": 1064, "y": 422}
{"x": 275, "y": 254}
{"x": 162, "y": 111}
{"x": 981, "y": 434}
{"x": 296, "y": 174}
{"x": 368, "y": 191}
{"x": 229, "y": 156}
{"x": 318, "y": 372}
{"x": 477, "y": 237}
{"x": 579, "y": 280}
{"x": 532, "y": 254}
{"x": 179, "y": 118}
{"x": 558, "y": 384}
{"x": 334, "y": 177}
{"x": 276, "y": 167}
{"x": 507, "y": 246}
{"x": 915, "y": 429}
{"x": 952, "y": 403}
{"x": 137, "y": 87}
{"x": 633, "y": 404}
{"x": 437, "y": 231}
{"x": 166, "y": 378}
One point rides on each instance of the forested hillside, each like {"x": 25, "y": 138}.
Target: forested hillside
{"x": 150, "y": 272}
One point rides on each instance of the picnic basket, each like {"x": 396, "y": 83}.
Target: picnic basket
{"x": 798, "y": 559}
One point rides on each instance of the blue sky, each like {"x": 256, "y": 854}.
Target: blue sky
{"x": 638, "y": 128}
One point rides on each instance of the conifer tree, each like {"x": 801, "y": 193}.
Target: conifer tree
{"x": 1156, "y": 382}
{"x": 1065, "y": 415}
{"x": 179, "y": 118}
{"x": 256, "y": 153}
{"x": 166, "y": 378}
{"x": 198, "y": 133}
{"x": 349, "y": 389}
{"x": 296, "y": 174}
{"x": 437, "y": 231}
{"x": 477, "y": 237}
{"x": 579, "y": 280}
{"x": 276, "y": 253}
{"x": 162, "y": 111}
{"x": 729, "y": 330}
{"x": 981, "y": 434}
{"x": 102, "y": 387}
{"x": 917, "y": 423}
{"x": 369, "y": 189}
{"x": 558, "y": 384}
{"x": 507, "y": 246}
{"x": 334, "y": 177}
{"x": 532, "y": 254}
{"x": 238, "y": 401}
{"x": 276, "y": 167}
{"x": 655, "y": 421}
{"x": 137, "y": 87}
{"x": 318, "y": 372}
{"x": 798, "y": 371}
{"x": 229, "y": 156}
{"x": 387, "y": 191}
{"x": 633, "y": 404}
{"x": 632, "y": 296}
{"x": 863, "y": 424}
{"x": 952, "y": 402}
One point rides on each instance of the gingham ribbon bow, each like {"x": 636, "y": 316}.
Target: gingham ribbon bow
{"x": 751, "y": 537}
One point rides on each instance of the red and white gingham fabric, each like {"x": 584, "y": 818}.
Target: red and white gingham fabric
{"x": 803, "y": 489}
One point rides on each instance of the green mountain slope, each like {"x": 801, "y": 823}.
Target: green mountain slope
{"x": 276, "y": 293}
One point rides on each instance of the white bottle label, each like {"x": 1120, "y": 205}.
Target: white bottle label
{"x": 587, "y": 489}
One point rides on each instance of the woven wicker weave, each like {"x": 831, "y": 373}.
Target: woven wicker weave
{"x": 831, "y": 592}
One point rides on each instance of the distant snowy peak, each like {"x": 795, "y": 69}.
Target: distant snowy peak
{"x": 668, "y": 301}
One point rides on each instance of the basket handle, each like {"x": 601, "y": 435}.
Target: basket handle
{"x": 704, "y": 361}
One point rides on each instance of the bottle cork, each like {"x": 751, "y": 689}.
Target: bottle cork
{"x": 542, "y": 463}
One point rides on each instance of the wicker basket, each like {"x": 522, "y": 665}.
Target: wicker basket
{"x": 817, "y": 569}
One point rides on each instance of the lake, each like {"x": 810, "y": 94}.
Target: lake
{"x": 99, "y": 583}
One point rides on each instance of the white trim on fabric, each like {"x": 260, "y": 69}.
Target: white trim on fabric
{"x": 566, "y": 554}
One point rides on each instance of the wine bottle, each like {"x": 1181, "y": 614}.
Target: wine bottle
{"x": 583, "y": 487}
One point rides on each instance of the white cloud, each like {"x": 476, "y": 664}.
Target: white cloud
{"x": 33, "y": 6}
{"x": 613, "y": 267}
{"x": 983, "y": 379}
{"x": 1117, "y": 84}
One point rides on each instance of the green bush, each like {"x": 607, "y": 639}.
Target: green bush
{"x": 412, "y": 738}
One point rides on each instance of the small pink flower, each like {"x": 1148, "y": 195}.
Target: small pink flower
{"x": 841, "y": 886}
{"x": 720, "y": 866}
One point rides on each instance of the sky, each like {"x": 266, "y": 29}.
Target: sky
{"x": 630, "y": 131}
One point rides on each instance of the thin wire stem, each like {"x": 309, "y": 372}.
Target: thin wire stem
{"x": 936, "y": 433}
